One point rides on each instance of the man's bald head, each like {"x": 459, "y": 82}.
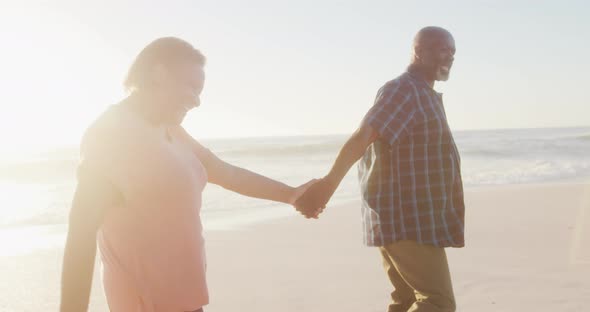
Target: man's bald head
{"x": 429, "y": 36}
{"x": 433, "y": 52}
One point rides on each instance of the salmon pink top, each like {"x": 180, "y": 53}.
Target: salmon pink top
{"x": 151, "y": 245}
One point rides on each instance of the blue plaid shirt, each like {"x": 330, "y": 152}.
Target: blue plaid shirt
{"x": 410, "y": 176}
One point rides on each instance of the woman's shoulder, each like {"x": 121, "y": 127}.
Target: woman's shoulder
{"x": 110, "y": 128}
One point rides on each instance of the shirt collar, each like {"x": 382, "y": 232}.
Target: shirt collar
{"x": 420, "y": 81}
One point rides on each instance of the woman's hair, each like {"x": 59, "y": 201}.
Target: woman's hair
{"x": 167, "y": 51}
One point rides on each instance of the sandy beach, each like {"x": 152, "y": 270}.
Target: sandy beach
{"x": 527, "y": 249}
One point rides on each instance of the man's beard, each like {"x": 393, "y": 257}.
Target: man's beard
{"x": 442, "y": 74}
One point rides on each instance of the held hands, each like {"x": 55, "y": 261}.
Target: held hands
{"x": 300, "y": 190}
{"x": 313, "y": 201}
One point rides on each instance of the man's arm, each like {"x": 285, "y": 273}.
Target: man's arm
{"x": 319, "y": 194}
{"x": 351, "y": 152}
{"x": 91, "y": 199}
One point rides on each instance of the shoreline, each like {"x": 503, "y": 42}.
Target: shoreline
{"x": 47, "y": 236}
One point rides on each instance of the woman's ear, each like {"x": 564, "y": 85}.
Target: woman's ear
{"x": 159, "y": 74}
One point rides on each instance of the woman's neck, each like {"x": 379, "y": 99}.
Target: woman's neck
{"x": 146, "y": 106}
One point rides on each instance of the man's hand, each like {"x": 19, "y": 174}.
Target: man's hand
{"x": 314, "y": 200}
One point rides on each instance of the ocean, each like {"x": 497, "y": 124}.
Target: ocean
{"x": 37, "y": 188}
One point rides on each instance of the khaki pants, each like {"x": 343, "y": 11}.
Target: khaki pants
{"x": 421, "y": 278}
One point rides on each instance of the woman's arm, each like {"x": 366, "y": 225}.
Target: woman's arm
{"x": 92, "y": 198}
{"x": 241, "y": 180}
{"x": 251, "y": 184}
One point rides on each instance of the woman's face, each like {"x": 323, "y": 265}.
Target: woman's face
{"x": 181, "y": 88}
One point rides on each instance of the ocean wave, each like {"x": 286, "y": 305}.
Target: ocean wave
{"x": 484, "y": 152}
{"x": 282, "y": 150}
{"x": 526, "y": 172}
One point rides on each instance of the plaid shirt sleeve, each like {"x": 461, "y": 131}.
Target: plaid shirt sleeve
{"x": 392, "y": 112}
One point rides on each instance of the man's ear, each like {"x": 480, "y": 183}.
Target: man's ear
{"x": 418, "y": 53}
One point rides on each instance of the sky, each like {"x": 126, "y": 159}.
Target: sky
{"x": 286, "y": 68}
